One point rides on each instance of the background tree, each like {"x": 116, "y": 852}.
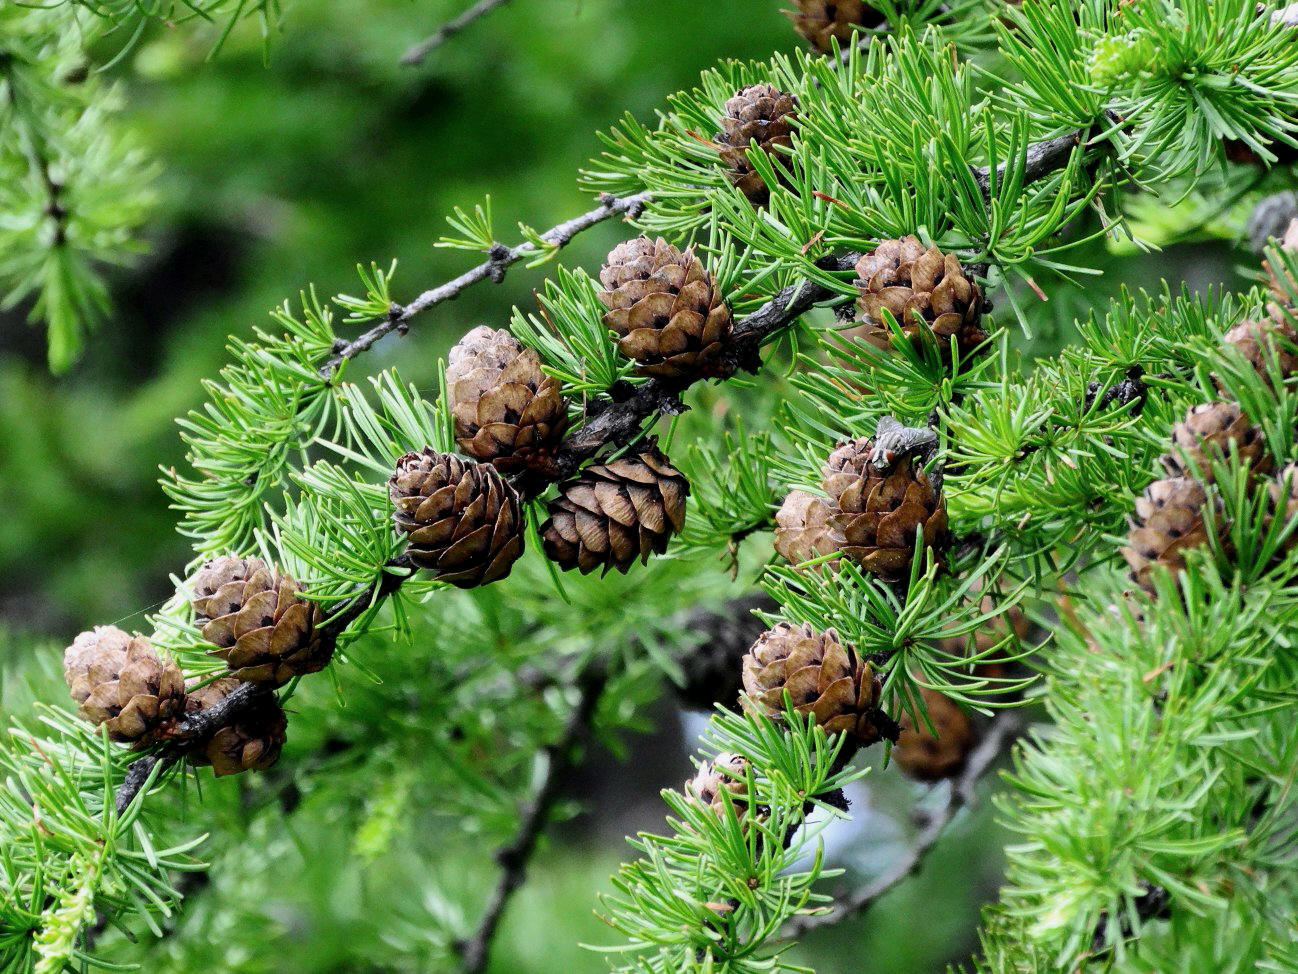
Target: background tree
{"x": 948, "y": 491}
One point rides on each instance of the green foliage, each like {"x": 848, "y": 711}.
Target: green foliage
{"x": 1169, "y": 762}
{"x": 74, "y": 187}
{"x": 712, "y": 895}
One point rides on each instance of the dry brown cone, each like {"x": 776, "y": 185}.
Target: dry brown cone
{"x": 804, "y": 527}
{"x": 611, "y": 514}
{"x": 725, "y": 773}
{"x": 263, "y": 629}
{"x": 926, "y": 757}
{"x": 507, "y": 411}
{"x": 1207, "y": 433}
{"x": 666, "y": 311}
{"x": 1258, "y": 340}
{"x": 821, "y": 676}
{"x": 918, "y": 287}
{"x": 121, "y": 682}
{"x": 251, "y": 743}
{"x": 821, "y": 21}
{"x": 879, "y": 514}
{"x": 1169, "y": 520}
{"x": 760, "y": 113}
{"x": 464, "y": 522}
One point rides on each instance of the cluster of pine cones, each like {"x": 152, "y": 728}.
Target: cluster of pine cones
{"x": 825, "y": 677}
{"x": 1171, "y": 517}
{"x": 872, "y": 512}
{"x": 927, "y": 292}
{"x": 463, "y": 519}
{"x": 258, "y": 623}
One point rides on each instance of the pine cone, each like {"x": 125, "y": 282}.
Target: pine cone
{"x": 726, "y": 773}
{"x": 915, "y": 285}
{"x": 261, "y": 627}
{"x": 465, "y": 523}
{"x": 819, "y": 21}
{"x": 925, "y": 757}
{"x": 252, "y": 743}
{"x": 121, "y": 682}
{"x": 1169, "y": 520}
{"x": 507, "y": 411}
{"x": 666, "y": 311}
{"x": 611, "y": 514}
{"x": 878, "y": 514}
{"x": 804, "y": 528}
{"x": 1207, "y": 433}
{"x": 1258, "y": 340}
{"x": 821, "y": 676}
{"x": 760, "y": 113}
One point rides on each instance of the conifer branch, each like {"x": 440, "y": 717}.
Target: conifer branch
{"x": 514, "y": 857}
{"x": 493, "y": 269}
{"x": 416, "y": 54}
{"x": 1000, "y": 733}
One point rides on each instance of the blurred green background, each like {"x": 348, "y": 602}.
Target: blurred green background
{"x": 282, "y": 171}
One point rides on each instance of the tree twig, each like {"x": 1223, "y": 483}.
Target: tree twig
{"x": 1003, "y": 729}
{"x": 514, "y": 857}
{"x": 493, "y": 268}
{"x": 416, "y": 54}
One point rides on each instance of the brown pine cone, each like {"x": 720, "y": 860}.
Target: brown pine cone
{"x": 804, "y": 528}
{"x": 666, "y": 311}
{"x": 263, "y": 629}
{"x": 507, "y": 411}
{"x": 1169, "y": 520}
{"x": 1258, "y": 340}
{"x": 822, "y": 677}
{"x": 121, "y": 682}
{"x": 878, "y": 514}
{"x": 760, "y": 113}
{"x": 464, "y": 521}
{"x": 252, "y": 743}
{"x": 925, "y": 757}
{"x": 822, "y": 21}
{"x": 611, "y": 514}
{"x": 918, "y": 287}
{"x": 1207, "y": 433}
{"x": 727, "y": 772}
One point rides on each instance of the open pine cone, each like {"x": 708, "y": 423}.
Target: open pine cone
{"x": 121, "y": 682}
{"x": 760, "y": 113}
{"x": 507, "y": 411}
{"x": 727, "y": 772}
{"x": 1207, "y": 433}
{"x": 463, "y": 520}
{"x": 926, "y": 757}
{"x": 666, "y": 311}
{"x": 611, "y": 514}
{"x": 252, "y": 743}
{"x": 879, "y": 514}
{"x": 1260, "y": 340}
{"x": 1169, "y": 520}
{"x": 804, "y": 527}
{"x": 263, "y": 629}
{"x": 821, "y": 677}
{"x": 920, "y": 288}
{"x": 823, "y": 21}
